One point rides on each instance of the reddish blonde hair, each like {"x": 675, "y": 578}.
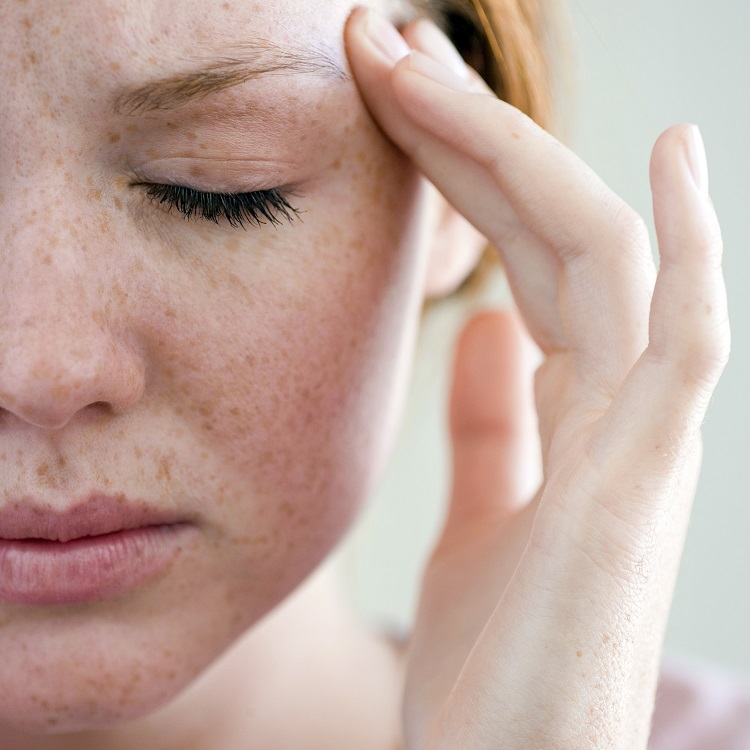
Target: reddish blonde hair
{"x": 517, "y": 46}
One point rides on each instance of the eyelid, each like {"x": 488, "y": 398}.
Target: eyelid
{"x": 212, "y": 175}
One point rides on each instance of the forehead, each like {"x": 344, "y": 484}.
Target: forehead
{"x": 80, "y": 42}
{"x": 149, "y": 23}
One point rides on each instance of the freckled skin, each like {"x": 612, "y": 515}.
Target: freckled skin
{"x": 251, "y": 379}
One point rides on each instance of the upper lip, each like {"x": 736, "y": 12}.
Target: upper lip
{"x": 97, "y": 514}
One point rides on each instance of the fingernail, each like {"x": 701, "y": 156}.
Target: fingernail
{"x": 385, "y": 37}
{"x": 431, "y": 40}
{"x": 695, "y": 152}
{"x": 435, "y": 71}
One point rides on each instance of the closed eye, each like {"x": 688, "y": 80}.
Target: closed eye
{"x": 239, "y": 209}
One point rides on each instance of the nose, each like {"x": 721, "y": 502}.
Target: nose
{"x": 62, "y": 355}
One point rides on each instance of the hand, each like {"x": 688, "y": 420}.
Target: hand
{"x": 541, "y": 622}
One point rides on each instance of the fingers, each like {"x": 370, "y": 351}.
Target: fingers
{"x": 569, "y": 244}
{"x": 620, "y": 499}
{"x": 492, "y": 420}
{"x": 689, "y": 327}
{"x": 670, "y": 387}
{"x": 589, "y": 600}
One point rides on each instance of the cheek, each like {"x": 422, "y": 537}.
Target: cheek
{"x": 287, "y": 374}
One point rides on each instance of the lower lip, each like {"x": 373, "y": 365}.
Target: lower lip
{"x": 41, "y": 572}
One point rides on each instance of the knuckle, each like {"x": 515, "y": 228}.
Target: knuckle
{"x": 711, "y": 244}
{"x": 698, "y": 351}
{"x": 696, "y": 239}
{"x": 703, "y": 363}
{"x": 695, "y": 364}
{"x": 709, "y": 351}
{"x": 630, "y": 228}
{"x": 491, "y": 159}
{"x": 621, "y": 237}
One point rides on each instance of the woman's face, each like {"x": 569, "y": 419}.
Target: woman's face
{"x": 244, "y": 381}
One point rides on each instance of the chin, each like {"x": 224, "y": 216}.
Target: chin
{"x": 97, "y": 668}
{"x": 42, "y": 709}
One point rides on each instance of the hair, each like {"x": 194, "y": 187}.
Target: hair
{"x": 517, "y": 48}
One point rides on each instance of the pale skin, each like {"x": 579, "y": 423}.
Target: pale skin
{"x": 183, "y": 362}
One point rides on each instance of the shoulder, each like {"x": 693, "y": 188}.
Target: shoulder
{"x": 700, "y": 707}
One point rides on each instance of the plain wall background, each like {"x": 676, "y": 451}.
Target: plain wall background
{"x": 639, "y": 67}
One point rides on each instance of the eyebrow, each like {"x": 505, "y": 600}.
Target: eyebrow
{"x": 249, "y": 60}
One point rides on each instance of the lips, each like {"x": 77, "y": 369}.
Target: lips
{"x": 97, "y": 549}
{"x": 97, "y": 515}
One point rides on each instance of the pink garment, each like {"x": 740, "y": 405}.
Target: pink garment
{"x": 699, "y": 707}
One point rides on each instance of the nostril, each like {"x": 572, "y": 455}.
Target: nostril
{"x": 7, "y": 399}
{"x": 101, "y": 407}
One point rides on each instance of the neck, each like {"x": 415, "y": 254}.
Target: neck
{"x": 308, "y": 675}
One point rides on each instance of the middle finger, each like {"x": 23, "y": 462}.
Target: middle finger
{"x": 567, "y": 240}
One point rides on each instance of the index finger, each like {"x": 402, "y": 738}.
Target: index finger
{"x": 537, "y": 202}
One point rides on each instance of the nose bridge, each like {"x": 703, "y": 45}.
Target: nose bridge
{"x": 58, "y": 352}
{"x": 65, "y": 337}
{"x": 43, "y": 272}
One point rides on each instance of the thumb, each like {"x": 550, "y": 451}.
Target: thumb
{"x": 493, "y": 434}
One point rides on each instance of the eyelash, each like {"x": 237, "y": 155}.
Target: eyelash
{"x": 254, "y": 208}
